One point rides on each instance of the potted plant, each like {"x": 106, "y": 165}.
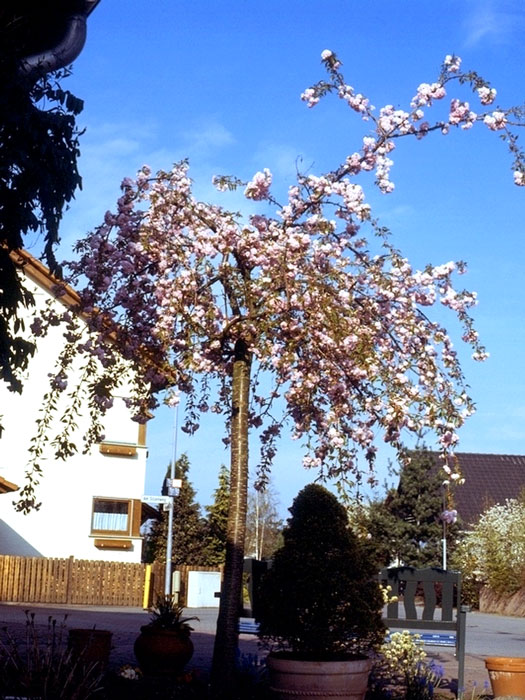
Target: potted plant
{"x": 319, "y": 608}
{"x": 164, "y": 645}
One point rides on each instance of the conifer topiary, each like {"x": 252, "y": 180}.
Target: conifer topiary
{"x": 320, "y": 599}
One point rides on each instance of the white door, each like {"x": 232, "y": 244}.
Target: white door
{"x": 202, "y": 587}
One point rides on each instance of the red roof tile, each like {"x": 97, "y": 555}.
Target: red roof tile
{"x": 489, "y": 479}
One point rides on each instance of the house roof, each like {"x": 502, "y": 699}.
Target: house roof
{"x": 489, "y": 479}
{"x": 7, "y": 486}
{"x": 40, "y": 274}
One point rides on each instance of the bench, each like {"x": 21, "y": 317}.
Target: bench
{"x": 449, "y": 629}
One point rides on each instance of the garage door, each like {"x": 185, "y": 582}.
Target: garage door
{"x": 202, "y": 587}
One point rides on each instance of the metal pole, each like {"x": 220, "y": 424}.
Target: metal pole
{"x": 444, "y": 540}
{"x": 169, "y": 538}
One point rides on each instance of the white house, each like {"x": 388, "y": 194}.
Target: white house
{"x": 91, "y": 503}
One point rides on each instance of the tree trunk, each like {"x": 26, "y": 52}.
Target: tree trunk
{"x": 257, "y": 516}
{"x": 226, "y": 638}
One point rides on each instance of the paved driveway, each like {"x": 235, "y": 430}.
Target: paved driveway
{"x": 124, "y": 623}
{"x": 487, "y": 635}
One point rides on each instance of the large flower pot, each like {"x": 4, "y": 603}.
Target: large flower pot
{"x": 507, "y": 676}
{"x": 162, "y": 651}
{"x": 293, "y": 678}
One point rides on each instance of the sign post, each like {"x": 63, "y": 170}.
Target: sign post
{"x": 173, "y": 493}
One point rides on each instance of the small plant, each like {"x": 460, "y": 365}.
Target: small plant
{"x": 476, "y": 693}
{"x": 401, "y": 670}
{"x": 251, "y": 678}
{"x": 129, "y": 683}
{"x": 40, "y": 664}
{"x": 167, "y": 614}
{"x": 164, "y": 646}
{"x": 386, "y": 592}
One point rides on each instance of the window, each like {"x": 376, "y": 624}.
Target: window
{"x": 112, "y": 516}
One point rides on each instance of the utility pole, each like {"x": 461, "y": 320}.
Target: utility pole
{"x": 173, "y": 489}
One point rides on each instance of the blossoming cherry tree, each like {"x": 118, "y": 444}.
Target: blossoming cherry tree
{"x": 304, "y": 316}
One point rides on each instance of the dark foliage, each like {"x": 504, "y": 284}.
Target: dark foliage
{"x": 320, "y": 598}
{"x": 39, "y": 663}
{"x": 406, "y": 525}
{"x": 167, "y": 614}
{"x": 217, "y": 520}
{"x": 189, "y": 527}
{"x": 38, "y": 165}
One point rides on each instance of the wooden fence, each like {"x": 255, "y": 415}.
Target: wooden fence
{"x": 82, "y": 582}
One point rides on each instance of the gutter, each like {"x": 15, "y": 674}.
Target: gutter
{"x": 66, "y": 51}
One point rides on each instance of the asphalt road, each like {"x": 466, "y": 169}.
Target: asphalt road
{"x": 487, "y": 635}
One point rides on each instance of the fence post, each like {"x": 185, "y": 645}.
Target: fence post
{"x": 460, "y": 642}
{"x": 147, "y": 587}
{"x": 69, "y": 579}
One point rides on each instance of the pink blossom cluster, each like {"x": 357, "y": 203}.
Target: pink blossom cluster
{"x": 426, "y": 94}
{"x": 357, "y": 102}
{"x": 495, "y": 121}
{"x": 452, "y": 63}
{"x": 393, "y": 123}
{"x": 460, "y": 113}
{"x": 449, "y": 516}
{"x": 486, "y": 95}
{"x": 259, "y": 187}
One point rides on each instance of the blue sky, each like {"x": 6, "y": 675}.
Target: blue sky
{"x": 219, "y": 83}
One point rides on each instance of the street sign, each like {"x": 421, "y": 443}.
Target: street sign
{"x": 156, "y": 499}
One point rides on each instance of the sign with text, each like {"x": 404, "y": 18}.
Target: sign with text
{"x": 156, "y": 500}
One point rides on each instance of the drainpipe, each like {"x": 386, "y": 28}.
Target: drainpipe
{"x": 66, "y": 51}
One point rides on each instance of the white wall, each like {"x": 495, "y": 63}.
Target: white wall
{"x": 62, "y": 525}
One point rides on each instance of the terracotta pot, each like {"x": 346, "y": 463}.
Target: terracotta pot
{"x": 162, "y": 651}
{"x": 292, "y": 678}
{"x": 507, "y": 675}
{"x": 92, "y": 645}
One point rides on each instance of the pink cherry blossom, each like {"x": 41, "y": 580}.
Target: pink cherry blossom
{"x": 486, "y": 95}
{"x": 259, "y": 187}
{"x": 449, "y": 516}
{"x": 495, "y": 121}
{"x": 452, "y": 63}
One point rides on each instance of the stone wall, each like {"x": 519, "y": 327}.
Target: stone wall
{"x": 490, "y": 602}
